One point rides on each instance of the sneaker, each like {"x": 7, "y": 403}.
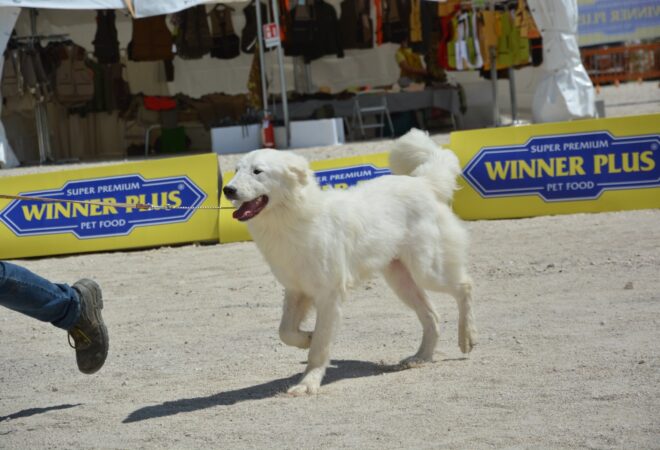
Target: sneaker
{"x": 89, "y": 334}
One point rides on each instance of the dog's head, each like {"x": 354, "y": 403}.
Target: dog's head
{"x": 265, "y": 179}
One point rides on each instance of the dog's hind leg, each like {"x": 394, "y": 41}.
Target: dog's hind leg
{"x": 399, "y": 279}
{"x": 328, "y": 314}
{"x": 455, "y": 281}
{"x": 296, "y": 306}
{"x": 467, "y": 331}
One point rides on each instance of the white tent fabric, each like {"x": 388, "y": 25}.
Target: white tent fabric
{"x": 146, "y": 8}
{"x": 140, "y": 8}
{"x": 7, "y": 21}
{"x": 65, "y": 4}
{"x": 565, "y": 92}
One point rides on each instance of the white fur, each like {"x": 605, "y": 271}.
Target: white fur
{"x": 320, "y": 243}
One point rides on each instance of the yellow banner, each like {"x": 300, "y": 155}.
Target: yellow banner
{"x": 85, "y": 220}
{"x": 336, "y": 173}
{"x": 559, "y": 168}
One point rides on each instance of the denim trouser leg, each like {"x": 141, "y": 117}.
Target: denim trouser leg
{"x": 30, "y": 294}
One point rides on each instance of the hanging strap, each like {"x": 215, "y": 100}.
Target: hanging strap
{"x": 472, "y": 23}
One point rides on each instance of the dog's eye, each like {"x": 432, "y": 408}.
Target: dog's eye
{"x": 257, "y": 171}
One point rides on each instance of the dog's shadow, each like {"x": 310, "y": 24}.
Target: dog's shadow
{"x": 338, "y": 370}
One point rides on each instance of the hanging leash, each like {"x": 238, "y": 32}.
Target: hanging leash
{"x": 140, "y": 206}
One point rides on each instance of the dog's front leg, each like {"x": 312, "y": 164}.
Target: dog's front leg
{"x": 296, "y": 306}
{"x": 328, "y": 314}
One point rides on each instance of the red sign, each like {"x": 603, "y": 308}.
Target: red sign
{"x": 271, "y": 35}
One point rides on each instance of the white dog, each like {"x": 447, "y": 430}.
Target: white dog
{"x": 320, "y": 243}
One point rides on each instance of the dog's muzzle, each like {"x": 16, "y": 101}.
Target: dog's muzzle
{"x": 230, "y": 192}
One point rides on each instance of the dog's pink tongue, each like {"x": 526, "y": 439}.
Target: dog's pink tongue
{"x": 250, "y": 209}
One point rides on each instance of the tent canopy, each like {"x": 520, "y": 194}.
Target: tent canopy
{"x": 10, "y": 10}
{"x": 138, "y": 8}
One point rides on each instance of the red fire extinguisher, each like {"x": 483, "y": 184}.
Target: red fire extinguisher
{"x": 267, "y": 131}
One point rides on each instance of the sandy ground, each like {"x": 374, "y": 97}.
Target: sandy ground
{"x": 568, "y": 309}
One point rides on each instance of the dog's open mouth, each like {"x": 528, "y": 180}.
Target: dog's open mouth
{"x": 250, "y": 209}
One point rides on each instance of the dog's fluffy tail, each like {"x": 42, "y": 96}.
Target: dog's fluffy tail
{"x": 416, "y": 154}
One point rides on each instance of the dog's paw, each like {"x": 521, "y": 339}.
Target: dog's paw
{"x": 467, "y": 341}
{"x": 467, "y": 333}
{"x": 466, "y": 345}
{"x": 413, "y": 361}
{"x": 303, "y": 389}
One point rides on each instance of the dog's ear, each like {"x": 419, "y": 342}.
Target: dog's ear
{"x": 299, "y": 169}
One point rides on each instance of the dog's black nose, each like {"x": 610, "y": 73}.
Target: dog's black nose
{"x": 230, "y": 191}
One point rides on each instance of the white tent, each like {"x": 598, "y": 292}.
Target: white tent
{"x": 138, "y": 8}
{"x": 10, "y": 10}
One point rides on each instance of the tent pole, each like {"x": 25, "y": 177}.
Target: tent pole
{"x": 262, "y": 65}
{"x": 40, "y": 111}
{"x": 512, "y": 92}
{"x": 493, "y": 77}
{"x": 308, "y": 79}
{"x": 280, "y": 62}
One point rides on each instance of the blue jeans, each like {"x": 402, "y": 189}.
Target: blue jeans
{"x": 32, "y": 295}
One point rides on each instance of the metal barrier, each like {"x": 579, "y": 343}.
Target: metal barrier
{"x": 622, "y": 63}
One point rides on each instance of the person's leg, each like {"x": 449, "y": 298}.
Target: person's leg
{"x": 76, "y": 309}
{"x": 26, "y": 292}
